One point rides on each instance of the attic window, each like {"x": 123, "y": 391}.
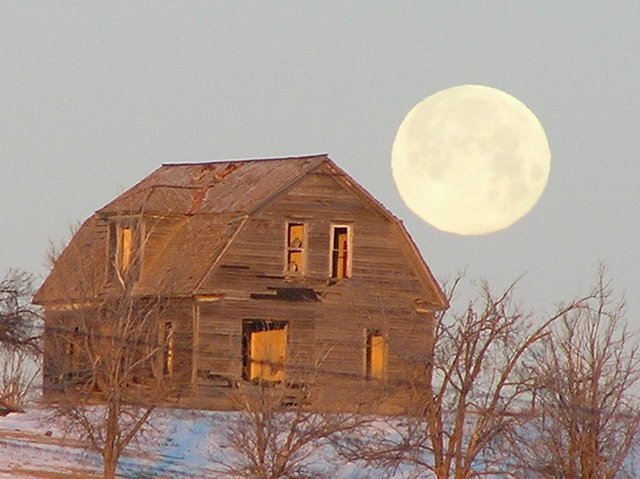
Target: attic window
{"x": 375, "y": 355}
{"x": 340, "y": 252}
{"x": 124, "y": 248}
{"x": 264, "y": 350}
{"x": 295, "y": 248}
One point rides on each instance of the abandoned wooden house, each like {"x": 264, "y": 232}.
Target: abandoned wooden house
{"x": 278, "y": 271}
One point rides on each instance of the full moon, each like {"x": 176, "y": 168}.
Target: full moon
{"x": 470, "y": 160}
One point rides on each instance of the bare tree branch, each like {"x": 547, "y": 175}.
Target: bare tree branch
{"x": 276, "y": 436}
{"x": 473, "y": 396}
{"x": 586, "y": 408}
{"x": 19, "y": 318}
{"x": 19, "y": 339}
{"x": 105, "y": 355}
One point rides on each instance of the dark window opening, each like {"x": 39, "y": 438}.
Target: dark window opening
{"x": 73, "y": 354}
{"x": 71, "y": 358}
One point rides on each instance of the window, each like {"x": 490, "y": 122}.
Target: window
{"x": 73, "y": 354}
{"x": 375, "y": 355}
{"x": 295, "y": 248}
{"x": 124, "y": 249}
{"x": 168, "y": 348}
{"x": 340, "y": 252}
{"x": 264, "y": 350}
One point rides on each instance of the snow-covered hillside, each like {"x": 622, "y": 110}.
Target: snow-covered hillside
{"x": 180, "y": 444}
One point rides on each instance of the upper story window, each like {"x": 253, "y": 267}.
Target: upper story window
{"x": 295, "y": 258}
{"x": 341, "y": 251}
{"x": 125, "y": 247}
{"x": 124, "y": 250}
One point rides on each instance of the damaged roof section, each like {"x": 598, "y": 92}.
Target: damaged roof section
{"x": 211, "y": 188}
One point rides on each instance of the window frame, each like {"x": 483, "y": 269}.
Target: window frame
{"x": 125, "y": 247}
{"x": 250, "y": 326}
{"x": 115, "y": 253}
{"x": 72, "y": 354}
{"x": 289, "y": 249}
{"x": 369, "y": 334}
{"x": 333, "y": 262}
{"x": 168, "y": 345}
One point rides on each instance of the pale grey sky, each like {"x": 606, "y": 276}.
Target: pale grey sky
{"x": 96, "y": 95}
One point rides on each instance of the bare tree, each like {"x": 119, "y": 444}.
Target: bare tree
{"x": 19, "y": 370}
{"x": 18, "y": 317}
{"x": 19, "y": 339}
{"x": 470, "y": 397}
{"x": 586, "y": 410}
{"x": 111, "y": 385}
{"x": 277, "y": 435}
{"x": 108, "y": 358}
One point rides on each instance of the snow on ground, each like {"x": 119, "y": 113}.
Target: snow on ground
{"x": 180, "y": 445}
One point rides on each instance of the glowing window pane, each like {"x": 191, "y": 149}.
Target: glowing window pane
{"x": 375, "y": 356}
{"x": 296, "y": 235}
{"x": 340, "y": 252}
{"x": 268, "y": 352}
{"x": 168, "y": 345}
{"x": 126, "y": 246}
{"x": 294, "y": 261}
{"x": 295, "y": 248}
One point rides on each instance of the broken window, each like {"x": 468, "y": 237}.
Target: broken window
{"x": 264, "y": 350}
{"x": 73, "y": 354}
{"x": 375, "y": 355}
{"x": 124, "y": 248}
{"x": 295, "y": 248}
{"x": 168, "y": 348}
{"x": 340, "y": 252}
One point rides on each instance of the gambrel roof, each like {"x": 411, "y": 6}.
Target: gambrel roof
{"x": 202, "y": 207}
{"x": 212, "y": 188}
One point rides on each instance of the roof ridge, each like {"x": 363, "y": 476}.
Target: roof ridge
{"x": 247, "y": 160}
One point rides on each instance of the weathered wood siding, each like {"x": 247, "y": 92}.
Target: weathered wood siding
{"x": 219, "y": 344}
{"x": 155, "y": 232}
{"x": 76, "y": 325}
{"x": 379, "y": 295}
{"x": 214, "y": 250}
{"x": 180, "y": 313}
{"x": 58, "y": 326}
